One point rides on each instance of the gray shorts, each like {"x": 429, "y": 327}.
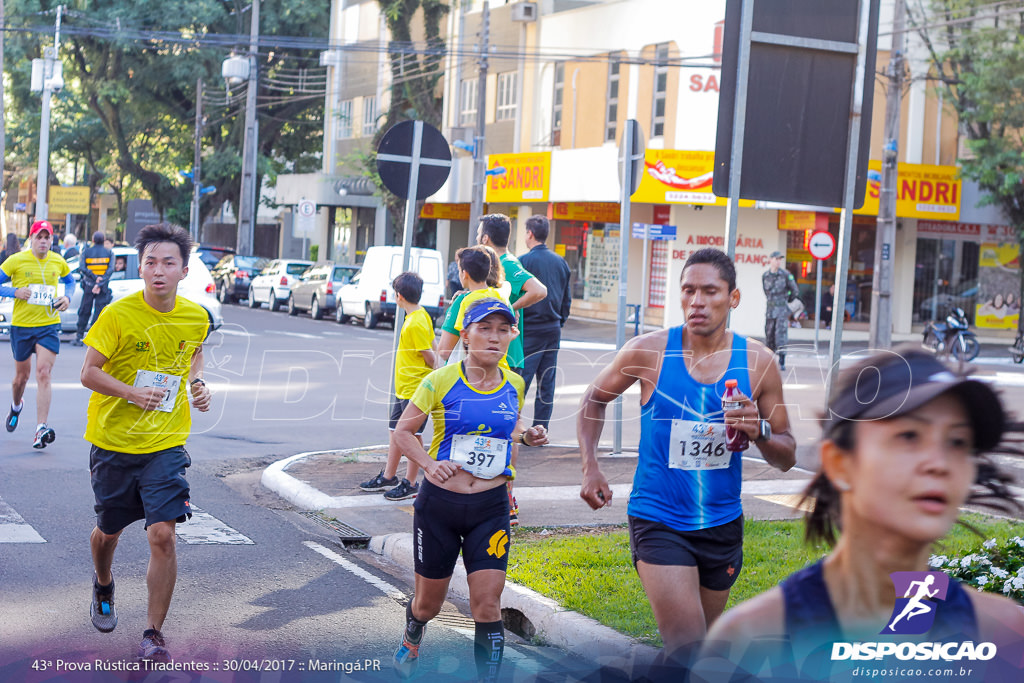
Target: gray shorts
{"x": 398, "y": 406}
{"x": 133, "y": 486}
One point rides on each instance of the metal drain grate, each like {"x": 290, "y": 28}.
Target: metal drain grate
{"x": 455, "y": 620}
{"x": 346, "y": 532}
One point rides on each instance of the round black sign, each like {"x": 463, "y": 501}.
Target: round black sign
{"x": 395, "y": 156}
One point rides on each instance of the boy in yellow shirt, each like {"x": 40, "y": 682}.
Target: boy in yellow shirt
{"x": 144, "y": 358}
{"x": 415, "y": 360}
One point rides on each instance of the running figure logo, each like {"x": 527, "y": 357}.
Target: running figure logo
{"x": 914, "y": 613}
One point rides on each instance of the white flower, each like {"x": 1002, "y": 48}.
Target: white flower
{"x": 955, "y": 562}
{"x": 939, "y": 560}
{"x": 1018, "y": 540}
{"x": 1000, "y": 573}
{"x": 989, "y": 544}
{"x": 1020, "y": 572}
{"x": 1018, "y": 582}
{"x": 982, "y": 580}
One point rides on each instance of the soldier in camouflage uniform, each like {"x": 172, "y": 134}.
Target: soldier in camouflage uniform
{"x": 779, "y": 288}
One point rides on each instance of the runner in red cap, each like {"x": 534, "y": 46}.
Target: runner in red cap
{"x": 34, "y": 276}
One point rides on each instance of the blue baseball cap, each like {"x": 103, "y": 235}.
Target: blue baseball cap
{"x": 485, "y": 307}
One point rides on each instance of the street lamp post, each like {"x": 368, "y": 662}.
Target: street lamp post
{"x": 247, "y": 203}
{"x": 52, "y": 79}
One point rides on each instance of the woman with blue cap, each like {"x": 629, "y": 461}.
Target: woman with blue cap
{"x": 463, "y": 505}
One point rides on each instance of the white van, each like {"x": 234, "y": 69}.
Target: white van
{"x": 369, "y": 295}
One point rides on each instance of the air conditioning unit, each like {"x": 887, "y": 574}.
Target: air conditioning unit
{"x": 524, "y": 11}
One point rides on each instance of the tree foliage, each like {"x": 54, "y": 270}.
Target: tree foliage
{"x": 976, "y": 49}
{"x": 416, "y": 71}
{"x": 127, "y": 110}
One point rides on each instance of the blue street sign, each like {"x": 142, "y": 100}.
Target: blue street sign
{"x": 654, "y": 232}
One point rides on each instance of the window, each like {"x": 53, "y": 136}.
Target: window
{"x": 611, "y": 119}
{"x": 467, "y": 103}
{"x": 344, "y": 120}
{"x": 369, "y": 115}
{"x": 556, "y": 104}
{"x": 660, "y": 90}
{"x": 506, "y": 97}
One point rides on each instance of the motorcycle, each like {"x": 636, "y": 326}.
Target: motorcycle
{"x": 952, "y": 336}
{"x": 1017, "y": 350}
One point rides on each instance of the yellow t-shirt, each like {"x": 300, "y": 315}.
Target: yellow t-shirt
{"x": 476, "y": 295}
{"x": 410, "y": 368}
{"x": 25, "y": 270}
{"x": 134, "y": 336}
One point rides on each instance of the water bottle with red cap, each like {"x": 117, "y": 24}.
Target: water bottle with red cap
{"x": 735, "y": 439}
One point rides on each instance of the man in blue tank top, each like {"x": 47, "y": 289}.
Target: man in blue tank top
{"x": 685, "y": 515}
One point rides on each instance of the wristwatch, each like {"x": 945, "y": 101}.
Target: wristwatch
{"x": 764, "y": 431}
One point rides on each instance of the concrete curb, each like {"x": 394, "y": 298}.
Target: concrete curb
{"x": 556, "y": 625}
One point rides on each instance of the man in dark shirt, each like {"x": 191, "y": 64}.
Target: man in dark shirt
{"x": 543, "y": 321}
{"x": 95, "y": 266}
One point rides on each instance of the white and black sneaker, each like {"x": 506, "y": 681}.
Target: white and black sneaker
{"x": 44, "y": 435}
{"x": 403, "y": 490}
{"x": 104, "y": 616}
{"x": 379, "y": 483}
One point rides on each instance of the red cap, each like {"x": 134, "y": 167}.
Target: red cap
{"x": 41, "y": 225}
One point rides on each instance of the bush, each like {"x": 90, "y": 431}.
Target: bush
{"x": 996, "y": 567}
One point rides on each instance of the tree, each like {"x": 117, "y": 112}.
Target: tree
{"x": 415, "y": 74}
{"x": 128, "y": 105}
{"x": 976, "y": 50}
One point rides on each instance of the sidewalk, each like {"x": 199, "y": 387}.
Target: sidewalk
{"x": 547, "y": 490}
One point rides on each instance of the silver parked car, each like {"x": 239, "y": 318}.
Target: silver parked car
{"x": 196, "y": 287}
{"x": 316, "y": 289}
{"x": 274, "y": 283}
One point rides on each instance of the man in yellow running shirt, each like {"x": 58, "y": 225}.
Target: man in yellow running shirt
{"x": 34, "y": 276}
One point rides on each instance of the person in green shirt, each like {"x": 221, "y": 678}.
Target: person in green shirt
{"x": 526, "y": 290}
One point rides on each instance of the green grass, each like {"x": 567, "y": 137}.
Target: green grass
{"x": 589, "y": 570}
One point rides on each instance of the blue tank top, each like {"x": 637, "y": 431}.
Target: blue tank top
{"x": 810, "y": 614}
{"x": 686, "y": 500}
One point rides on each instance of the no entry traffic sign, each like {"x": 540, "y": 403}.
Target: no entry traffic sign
{"x": 821, "y": 245}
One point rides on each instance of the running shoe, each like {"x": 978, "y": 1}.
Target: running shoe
{"x": 12, "y": 418}
{"x": 44, "y": 435}
{"x": 403, "y": 490}
{"x": 407, "y": 656}
{"x": 379, "y": 483}
{"x": 104, "y": 616}
{"x": 153, "y": 647}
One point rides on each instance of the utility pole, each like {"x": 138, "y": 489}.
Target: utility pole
{"x": 247, "y": 200}
{"x": 197, "y": 163}
{"x": 885, "y": 235}
{"x": 43, "y": 172}
{"x": 476, "y": 206}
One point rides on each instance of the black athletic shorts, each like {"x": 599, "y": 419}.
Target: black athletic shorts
{"x": 398, "y": 406}
{"x": 716, "y": 552}
{"x": 133, "y": 486}
{"x": 445, "y": 523}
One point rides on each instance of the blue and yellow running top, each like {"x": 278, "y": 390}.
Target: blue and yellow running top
{"x": 698, "y": 488}
{"x": 457, "y": 408}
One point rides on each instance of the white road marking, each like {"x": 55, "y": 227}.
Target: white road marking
{"x": 205, "y": 529}
{"x": 14, "y": 528}
{"x": 300, "y": 335}
{"x": 353, "y": 568}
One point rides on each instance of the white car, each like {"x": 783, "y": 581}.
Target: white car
{"x": 369, "y": 294}
{"x": 274, "y": 283}
{"x": 196, "y": 287}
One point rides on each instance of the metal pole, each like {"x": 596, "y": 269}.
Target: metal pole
{"x": 476, "y": 206}
{"x": 197, "y": 163}
{"x": 410, "y": 223}
{"x": 885, "y": 237}
{"x": 624, "y": 227}
{"x": 43, "y": 170}
{"x": 643, "y": 282}
{"x": 817, "y": 308}
{"x": 846, "y": 216}
{"x": 249, "y": 191}
{"x": 739, "y": 120}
